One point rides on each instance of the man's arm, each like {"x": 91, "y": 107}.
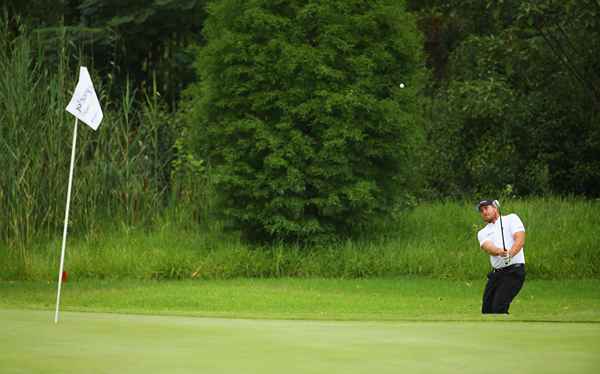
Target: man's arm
{"x": 490, "y": 248}
{"x": 519, "y": 238}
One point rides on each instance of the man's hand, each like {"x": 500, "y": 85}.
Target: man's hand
{"x": 490, "y": 248}
{"x": 506, "y": 256}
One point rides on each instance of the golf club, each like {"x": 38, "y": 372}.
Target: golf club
{"x": 506, "y": 258}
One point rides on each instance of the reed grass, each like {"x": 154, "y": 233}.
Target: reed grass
{"x": 123, "y": 171}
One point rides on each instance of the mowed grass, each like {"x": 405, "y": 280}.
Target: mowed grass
{"x": 115, "y": 343}
{"x": 293, "y": 298}
{"x": 414, "y": 325}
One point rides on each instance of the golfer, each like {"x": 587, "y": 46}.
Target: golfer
{"x": 502, "y": 238}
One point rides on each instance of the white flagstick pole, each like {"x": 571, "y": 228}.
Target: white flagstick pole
{"x": 64, "y": 241}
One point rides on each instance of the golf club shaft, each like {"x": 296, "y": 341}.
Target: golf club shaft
{"x": 502, "y": 232}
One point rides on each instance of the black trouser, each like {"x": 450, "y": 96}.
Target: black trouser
{"x": 501, "y": 288}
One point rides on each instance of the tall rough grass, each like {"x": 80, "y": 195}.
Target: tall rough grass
{"x": 124, "y": 173}
{"x": 435, "y": 240}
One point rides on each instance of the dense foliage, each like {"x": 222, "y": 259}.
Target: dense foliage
{"x": 307, "y": 113}
{"x": 517, "y": 100}
{"x": 296, "y": 114}
{"x": 125, "y": 40}
{"x": 126, "y": 171}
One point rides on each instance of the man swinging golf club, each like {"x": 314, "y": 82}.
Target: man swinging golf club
{"x": 503, "y": 239}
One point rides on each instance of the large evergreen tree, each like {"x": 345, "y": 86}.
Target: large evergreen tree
{"x": 302, "y": 114}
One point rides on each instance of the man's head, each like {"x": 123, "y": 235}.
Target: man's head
{"x": 488, "y": 210}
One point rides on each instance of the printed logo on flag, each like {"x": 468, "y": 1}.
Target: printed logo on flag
{"x": 84, "y": 104}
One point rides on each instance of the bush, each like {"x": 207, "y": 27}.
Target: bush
{"x": 301, "y": 116}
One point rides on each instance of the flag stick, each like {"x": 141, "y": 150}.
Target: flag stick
{"x": 64, "y": 241}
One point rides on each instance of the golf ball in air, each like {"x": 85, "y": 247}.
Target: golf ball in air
{"x": 401, "y": 85}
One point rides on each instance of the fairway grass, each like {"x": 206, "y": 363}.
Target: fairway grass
{"x": 419, "y": 299}
{"x": 116, "y": 343}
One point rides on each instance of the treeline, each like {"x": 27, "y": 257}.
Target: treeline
{"x": 515, "y": 96}
{"x": 294, "y": 120}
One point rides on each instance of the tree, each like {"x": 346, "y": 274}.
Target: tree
{"x": 126, "y": 40}
{"x": 517, "y": 103}
{"x": 301, "y": 114}
{"x": 143, "y": 40}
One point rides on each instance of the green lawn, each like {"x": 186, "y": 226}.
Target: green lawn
{"x": 373, "y": 299}
{"x": 117, "y": 343}
{"x": 412, "y": 325}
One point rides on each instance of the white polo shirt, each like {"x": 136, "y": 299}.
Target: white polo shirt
{"x": 511, "y": 224}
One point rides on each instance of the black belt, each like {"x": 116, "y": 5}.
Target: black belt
{"x": 508, "y": 268}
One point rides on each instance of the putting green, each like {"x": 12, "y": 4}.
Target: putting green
{"x": 115, "y": 343}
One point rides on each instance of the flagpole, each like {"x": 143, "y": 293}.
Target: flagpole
{"x": 64, "y": 241}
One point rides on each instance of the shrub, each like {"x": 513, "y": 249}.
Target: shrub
{"x": 301, "y": 115}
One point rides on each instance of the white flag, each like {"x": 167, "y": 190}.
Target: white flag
{"x": 84, "y": 104}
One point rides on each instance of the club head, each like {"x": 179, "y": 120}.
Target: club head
{"x": 496, "y": 203}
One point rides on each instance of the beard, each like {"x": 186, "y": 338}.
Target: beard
{"x": 490, "y": 219}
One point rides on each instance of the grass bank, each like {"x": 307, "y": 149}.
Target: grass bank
{"x": 315, "y": 299}
{"x": 436, "y": 240}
